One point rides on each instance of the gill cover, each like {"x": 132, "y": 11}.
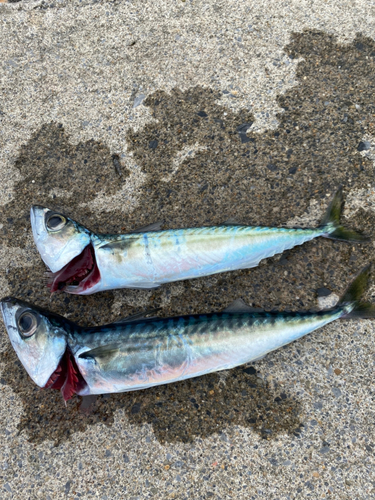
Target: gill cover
{"x": 38, "y": 338}
{"x": 58, "y": 238}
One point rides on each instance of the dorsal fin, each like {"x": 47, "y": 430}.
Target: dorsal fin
{"x": 156, "y": 226}
{"x": 232, "y": 222}
{"x": 138, "y": 316}
{"x": 240, "y": 306}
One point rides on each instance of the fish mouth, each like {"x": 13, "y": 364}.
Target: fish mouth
{"x": 66, "y": 378}
{"x": 80, "y": 274}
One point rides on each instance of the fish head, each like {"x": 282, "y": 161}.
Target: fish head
{"x": 58, "y": 238}
{"x": 38, "y": 337}
{"x": 66, "y": 248}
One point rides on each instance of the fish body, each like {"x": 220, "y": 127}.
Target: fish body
{"x": 137, "y": 354}
{"x": 155, "y": 352}
{"x": 82, "y": 262}
{"x": 148, "y": 260}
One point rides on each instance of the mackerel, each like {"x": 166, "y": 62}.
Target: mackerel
{"x": 137, "y": 353}
{"x": 82, "y": 262}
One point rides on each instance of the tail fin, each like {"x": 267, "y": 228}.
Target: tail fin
{"x": 331, "y": 222}
{"x": 351, "y": 302}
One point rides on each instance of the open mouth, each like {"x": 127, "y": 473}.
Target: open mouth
{"x": 67, "y": 377}
{"x": 80, "y": 274}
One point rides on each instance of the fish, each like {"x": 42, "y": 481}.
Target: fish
{"x": 82, "y": 262}
{"x": 141, "y": 352}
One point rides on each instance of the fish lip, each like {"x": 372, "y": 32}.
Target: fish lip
{"x": 34, "y": 216}
{"x": 3, "y": 308}
{"x": 7, "y": 310}
{"x": 4, "y": 301}
{"x": 5, "y": 304}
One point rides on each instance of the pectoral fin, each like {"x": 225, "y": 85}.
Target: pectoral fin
{"x": 104, "y": 352}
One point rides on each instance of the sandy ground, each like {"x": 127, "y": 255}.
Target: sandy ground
{"x": 124, "y": 113}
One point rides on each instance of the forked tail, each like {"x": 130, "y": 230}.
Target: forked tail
{"x": 331, "y": 222}
{"x": 350, "y": 301}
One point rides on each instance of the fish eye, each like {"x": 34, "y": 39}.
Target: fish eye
{"x": 56, "y": 222}
{"x": 27, "y": 323}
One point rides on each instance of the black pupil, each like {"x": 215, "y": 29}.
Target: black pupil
{"x": 26, "y": 322}
{"x": 54, "y": 221}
